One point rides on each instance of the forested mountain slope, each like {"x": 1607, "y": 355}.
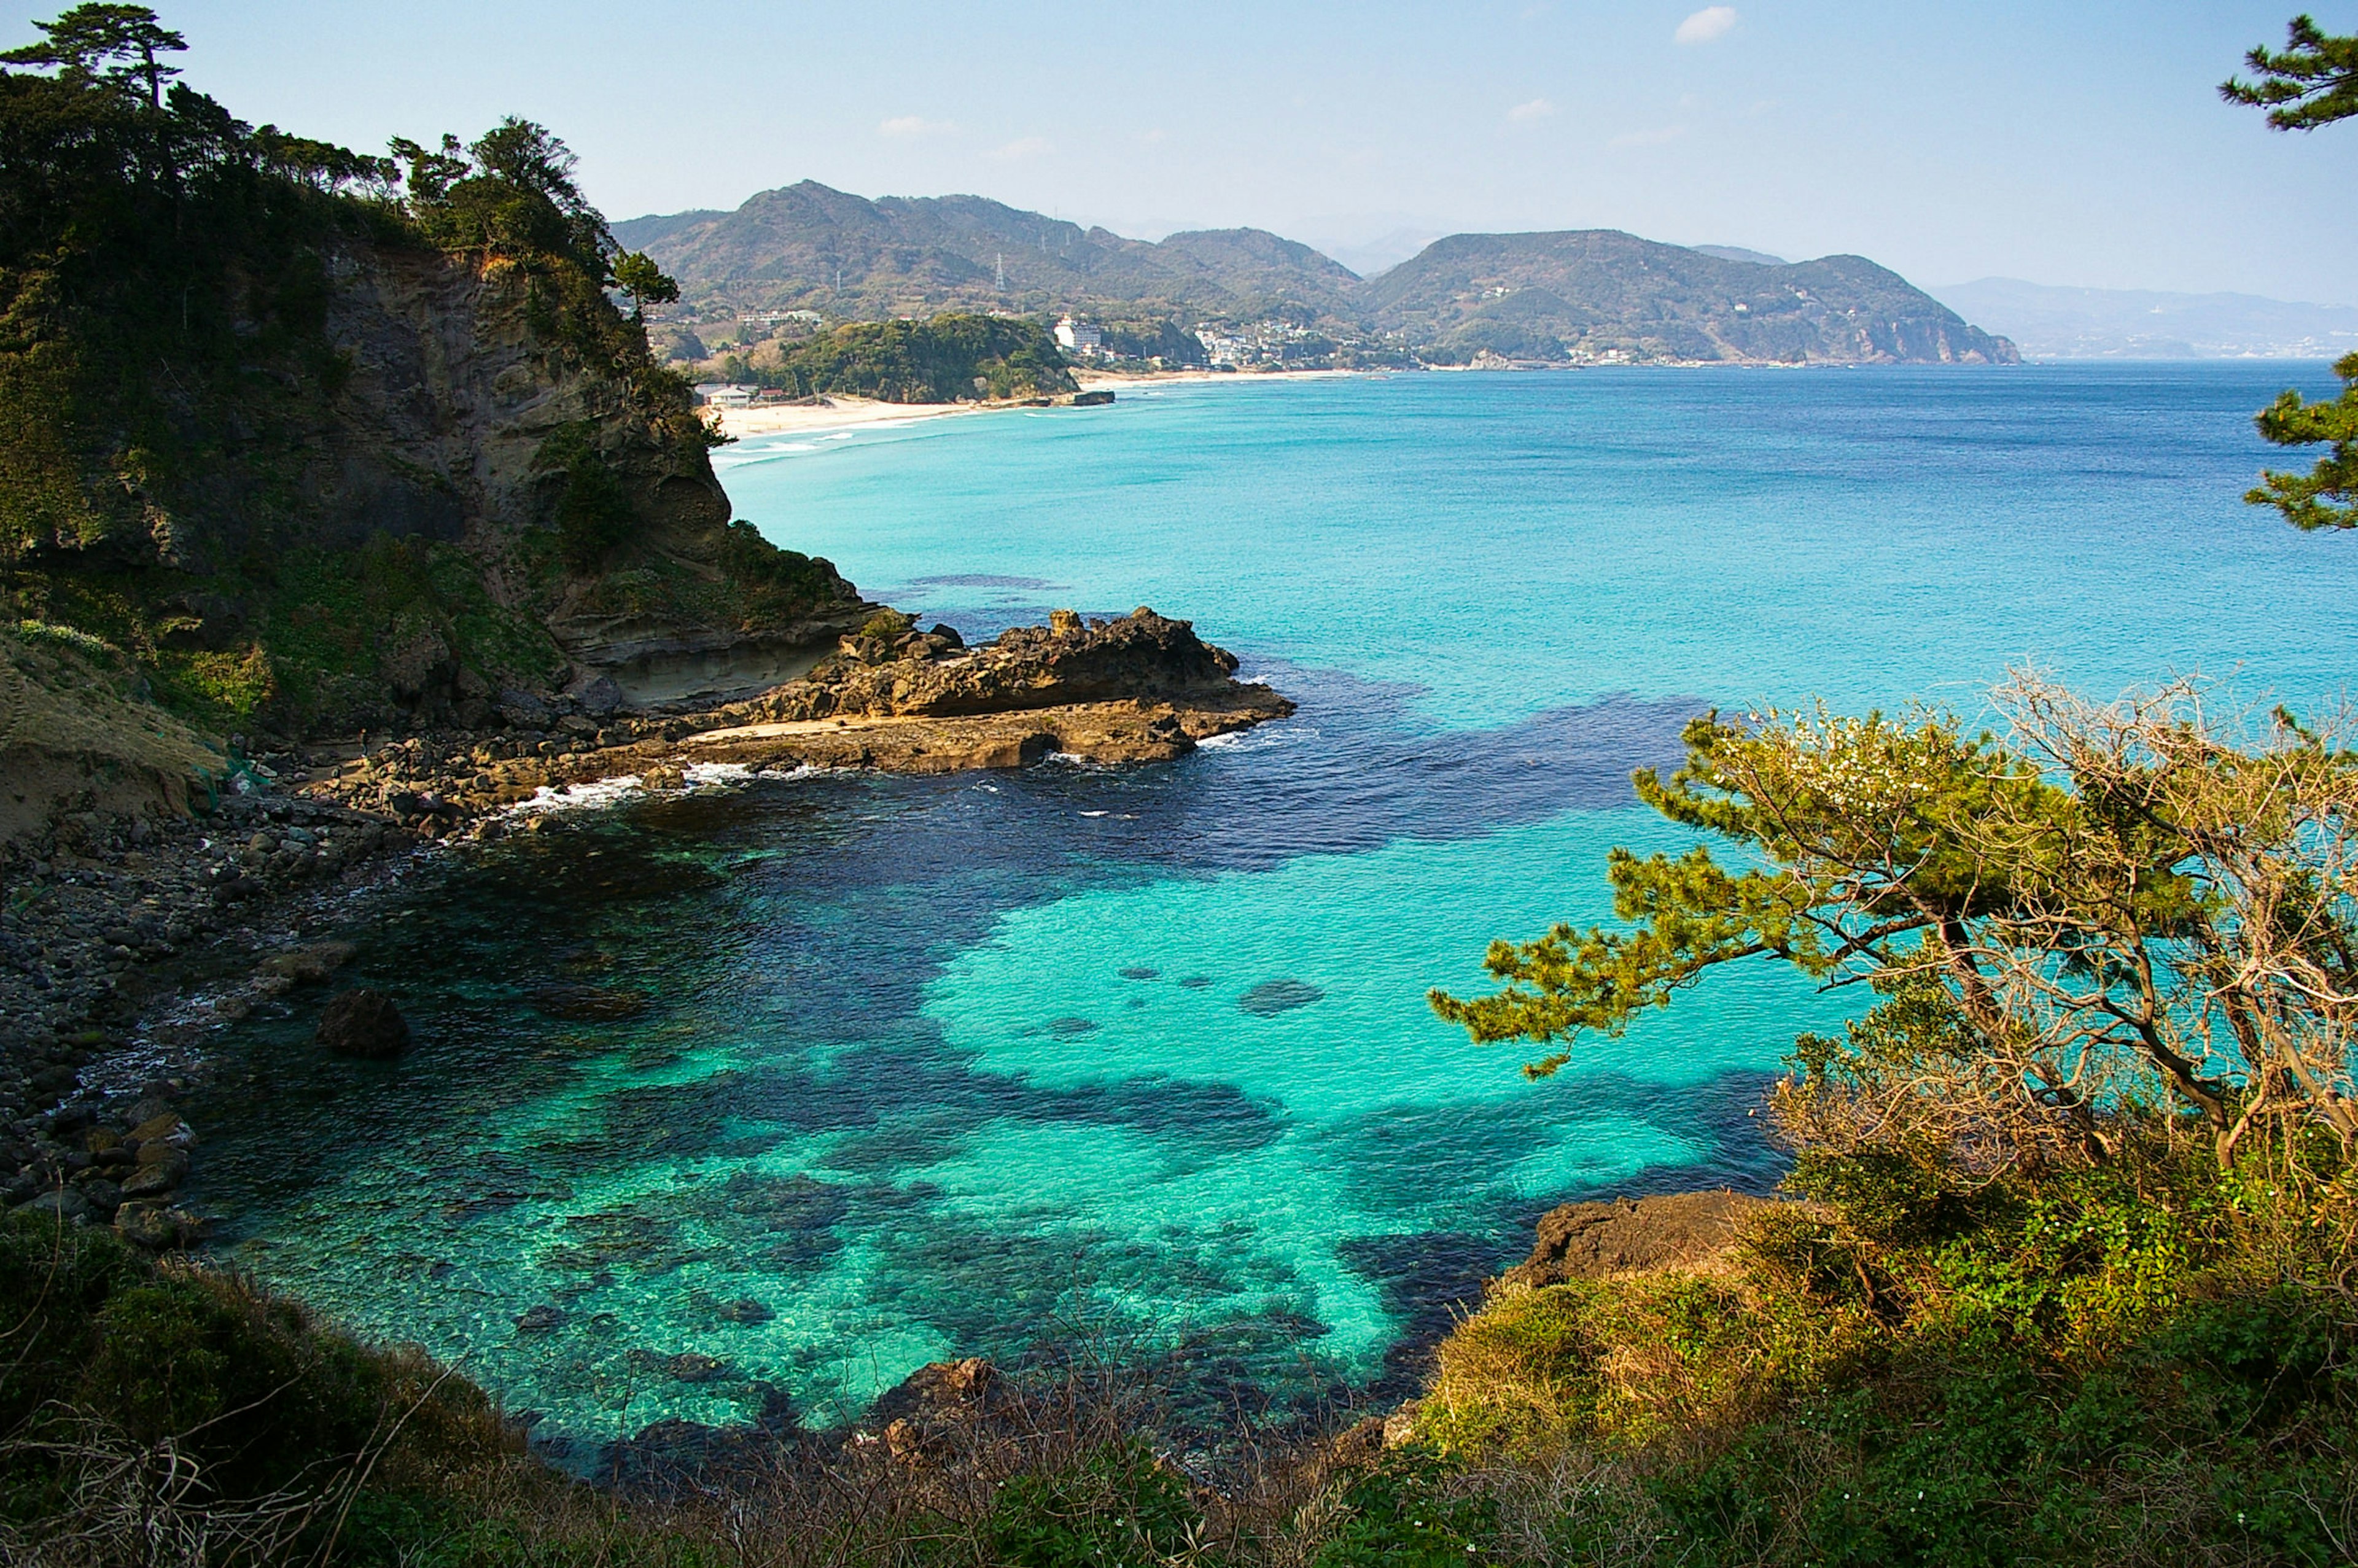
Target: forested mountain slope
{"x": 1601, "y": 294}
{"x": 1583, "y": 296}
{"x": 808, "y": 246}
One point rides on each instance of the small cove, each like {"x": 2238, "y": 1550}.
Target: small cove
{"x": 929, "y": 1067}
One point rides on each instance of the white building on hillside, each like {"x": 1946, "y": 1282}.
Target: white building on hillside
{"x": 1079, "y": 336}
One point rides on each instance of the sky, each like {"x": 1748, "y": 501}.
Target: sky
{"x": 2077, "y": 142}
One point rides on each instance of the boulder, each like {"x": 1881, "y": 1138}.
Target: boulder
{"x": 156, "y": 1179}
{"x": 938, "y": 1393}
{"x": 148, "y": 1225}
{"x": 59, "y": 1202}
{"x": 363, "y": 1023}
{"x": 1598, "y": 1240}
{"x": 309, "y": 966}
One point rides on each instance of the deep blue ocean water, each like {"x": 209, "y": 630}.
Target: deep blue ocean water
{"x": 925, "y": 1068}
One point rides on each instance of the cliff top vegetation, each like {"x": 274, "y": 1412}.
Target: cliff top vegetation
{"x": 213, "y": 360}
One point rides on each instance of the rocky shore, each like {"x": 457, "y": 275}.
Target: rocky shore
{"x": 128, "y": 936}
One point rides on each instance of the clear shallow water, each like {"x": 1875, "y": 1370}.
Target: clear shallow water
{"x": 928, "y": 1067}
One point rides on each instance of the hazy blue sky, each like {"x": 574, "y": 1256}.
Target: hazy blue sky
{"x": 2059, "y": 141}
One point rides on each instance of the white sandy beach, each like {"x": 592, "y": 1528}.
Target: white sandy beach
{"x": 842, "y": 413}
{"x": 835, "y": 414}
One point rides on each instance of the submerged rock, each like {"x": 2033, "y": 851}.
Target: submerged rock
{"x": 746, "y": 1311}
{"x": 545, "y": 1318}
{"x": 1271, "y": 998}
{"x": 582, "y": 1004}
{"x": 363, "y": 1023}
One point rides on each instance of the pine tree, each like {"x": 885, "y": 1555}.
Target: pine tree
{"x": 2312, "y": 81}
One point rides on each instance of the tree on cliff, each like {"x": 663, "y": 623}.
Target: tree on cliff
{"x": 2107, "y": 908}
{"x": 2312, "y": 81}
{"x": 119, "y": 44}
{"x": 636, "y": 274}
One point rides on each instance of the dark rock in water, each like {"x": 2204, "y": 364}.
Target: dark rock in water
{"x": 1096, "y": 399}
{"x": 695, "y": 1367}
{"x": 1071, "y": 1028}
{"x": 1271, "y": 998}
{"x": 1142, "y": 974}
{"x": 307, "y": 965}
{"x": 747, "y": 1311}
{"x": 542, "y": 1319}
{"x": 1597, "y": 1240}
{"x": 363, "y": 1023}
{"x": 589, "y": 1003}
{"x": 1196, "y": 982}
{"x": 676, "y": 1456}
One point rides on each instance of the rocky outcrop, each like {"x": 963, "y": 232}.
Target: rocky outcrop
{"x": 1600, "y": 1240}
{"x": 1139, "y": 688}
{"x": 905, "y": 673}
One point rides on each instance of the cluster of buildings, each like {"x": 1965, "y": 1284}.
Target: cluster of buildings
{"x": 1079, "y": 339}
{"x": 1263, "y": 342}
{"x": 739, "y": 394}
{"x": 768, "y": 324}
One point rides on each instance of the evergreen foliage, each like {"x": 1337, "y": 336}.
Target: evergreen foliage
{"x": 2134, "y": 904}
{"x": 169, "y": 380}
{"x": 2313, "y": 82}
{"x": 952, "y": 358}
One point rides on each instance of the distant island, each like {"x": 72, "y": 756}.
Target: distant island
{"x": 793, "y": 261}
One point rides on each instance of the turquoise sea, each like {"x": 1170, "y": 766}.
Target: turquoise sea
{"x": 814, "y": 1080}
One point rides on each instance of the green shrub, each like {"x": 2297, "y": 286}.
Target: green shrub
{"x": 1119, "y": 1508}
{"x": 1408, "y": 1514}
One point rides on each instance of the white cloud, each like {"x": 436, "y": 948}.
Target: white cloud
{"x": 1710, "y": 22}
{"x": 908, "y": 127}
{"x": 1526, "y": 113}
{"x": 1023, "y": 148}
{"x": 1648, "y": 139}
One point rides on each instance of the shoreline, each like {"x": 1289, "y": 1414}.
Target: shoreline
{"x": 843, "y": 412}
{"x": 131, "y": 939}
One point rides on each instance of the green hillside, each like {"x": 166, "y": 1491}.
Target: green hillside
{"x": 1599, "y": 293}
{"x": 810, "y": 247}
{"x": 1591, "y": 296}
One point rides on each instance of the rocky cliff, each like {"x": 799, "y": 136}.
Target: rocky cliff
{"x": 325, "y": 441}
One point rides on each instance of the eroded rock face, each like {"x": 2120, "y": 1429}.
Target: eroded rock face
{"x": 1599, "y": 1241}
{"x": 1142, "y": 657}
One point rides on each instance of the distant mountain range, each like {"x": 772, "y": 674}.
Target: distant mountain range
{"x": 2116, "y": 323}
{"x": 1581, "y": 297}
{"x": 808, "y": 246}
